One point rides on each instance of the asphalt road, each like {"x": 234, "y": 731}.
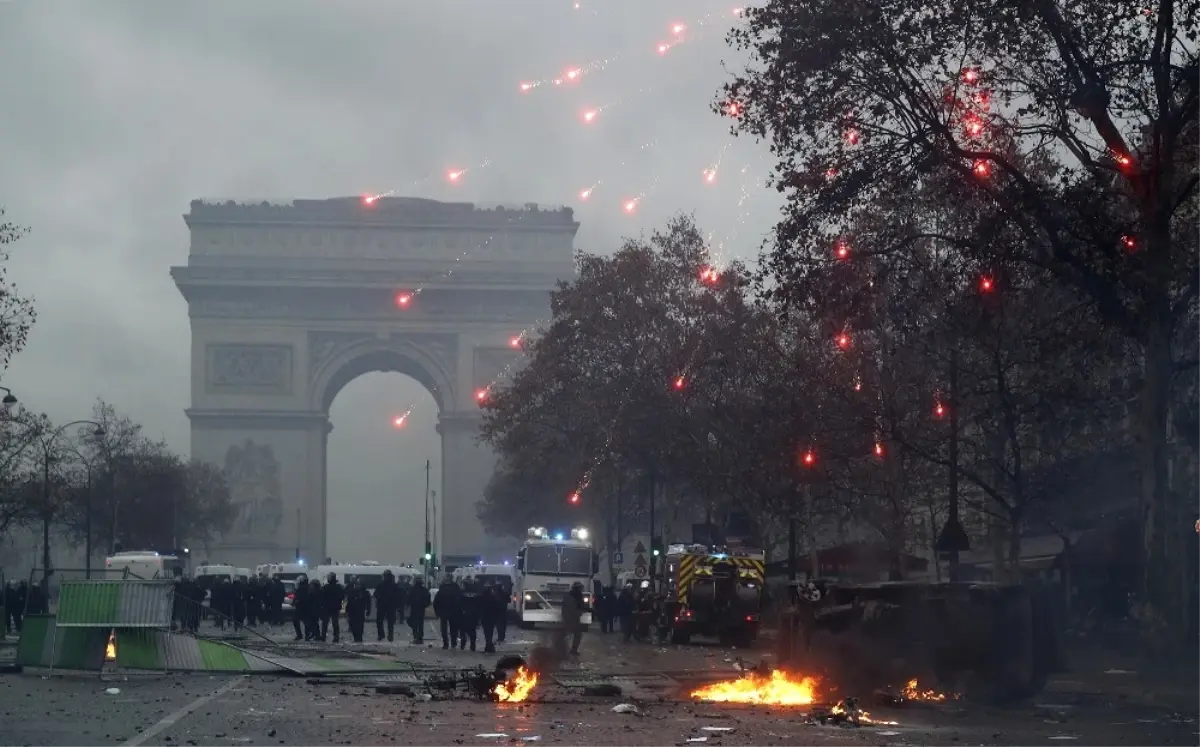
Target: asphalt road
{"x": 221, "y": 710}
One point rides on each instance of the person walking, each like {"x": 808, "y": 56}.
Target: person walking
{"x": 418, "y": 602}
{"x": 447, "y": 605}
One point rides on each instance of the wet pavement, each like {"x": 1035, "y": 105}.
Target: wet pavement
{"x": 171, "y": 709}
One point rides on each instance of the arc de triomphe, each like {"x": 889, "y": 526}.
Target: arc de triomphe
{"x": 290, "y": 302}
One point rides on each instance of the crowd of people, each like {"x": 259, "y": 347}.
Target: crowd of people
{"x": 463, "y": 610}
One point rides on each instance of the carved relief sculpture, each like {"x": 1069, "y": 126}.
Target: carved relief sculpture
{"x": 251, "y": 369}
{"x": 252, "y": 472}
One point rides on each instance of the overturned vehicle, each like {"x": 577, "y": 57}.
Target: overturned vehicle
{"x": 988, "y": 641}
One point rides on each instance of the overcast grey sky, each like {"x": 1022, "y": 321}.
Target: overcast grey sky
{"x": 117, "y": 114}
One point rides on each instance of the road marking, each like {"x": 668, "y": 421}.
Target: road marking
{"x": 174, "y": 718}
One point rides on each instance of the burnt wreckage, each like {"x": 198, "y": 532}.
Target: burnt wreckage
{"x": 995, "y": 642}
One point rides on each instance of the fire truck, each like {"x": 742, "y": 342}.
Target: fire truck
{"x": 712, "y": 591}
{"x": 548, "y": 564}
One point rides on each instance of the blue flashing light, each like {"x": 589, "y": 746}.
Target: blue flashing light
{"x": 301, "y": 561}
{"x": 558, "y": 537}
{"x": 507, "y": 563}
{"x": 721, "y": 555}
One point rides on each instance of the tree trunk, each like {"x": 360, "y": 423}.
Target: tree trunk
{"x": 1014, "y": 547}
{"x": 1162, "y": 562}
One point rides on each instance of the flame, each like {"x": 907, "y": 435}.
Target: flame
{"x": 778, "y": 689}
{"x": 858, "y": 715}
{"x": 518, "y": 688}
{"x": 912, "y": 692}
{"x": 110, "y": 651}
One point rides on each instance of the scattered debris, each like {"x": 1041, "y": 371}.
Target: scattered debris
{"x": 603, "y": 690}
{"x": 697, "y": 739}
{"x": 717, "y": 728}
{"x": 626, "y": 708}
{"x": 491, "y": 735}
{"x": 394, "y": 689}
{"x": 113, "y": 691}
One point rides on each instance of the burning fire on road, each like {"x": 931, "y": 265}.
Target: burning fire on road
{"x": 911, "y": 691}
{"x": 518, "y": 687}
{"x": 777, "y": 688}
{"x": 110, "y": 650}
{"x": 782, "y": 688}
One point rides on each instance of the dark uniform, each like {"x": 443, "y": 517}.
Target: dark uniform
{"x": 238, "y": 604}
{"x": 447, "y": 605}
{"x": 300, "y": 606}
{"x": 312, "y": 612}
{"x": 573, "y": 608}
{"x": 493, "y": 608}
{"x": 332, "y": 596}
{"x": 389, "y": 597}
{"x": 626, "y": 607}
{"x": 418, "y": 602}
{"x": 468, "y": 615}
{"x": 358, "y": 606}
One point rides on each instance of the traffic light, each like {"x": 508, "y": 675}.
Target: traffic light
{"x": 427, "y": 559}
{"x": 656, "y": 546}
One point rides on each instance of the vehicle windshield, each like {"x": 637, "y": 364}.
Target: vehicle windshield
{"x": 558, "y": 561}
{"x": 541, "y": 559}
{"x": 493, "y": 578}
{"x": 288, "y": 576}
{"x": 575, "y": 561}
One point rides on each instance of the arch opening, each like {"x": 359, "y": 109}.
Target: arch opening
{"x": 376, "y": 469}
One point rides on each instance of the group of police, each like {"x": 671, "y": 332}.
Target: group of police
{"x": 20, "y": 599}
{"x": 317, "y": 608}
{"x": 637, "y": 610}
{"x": 463, "y": 609}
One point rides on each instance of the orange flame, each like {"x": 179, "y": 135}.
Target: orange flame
{"x": 518, "y": 688}
{"x": 110, "y": 651}
{"x": 912, "y": 692}
{"x": 859, "y": 716}
{"x": 778, "y": 689}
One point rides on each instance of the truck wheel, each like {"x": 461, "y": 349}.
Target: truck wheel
{"x": 744, "y": 638}
{"x": 1020, "y": 667}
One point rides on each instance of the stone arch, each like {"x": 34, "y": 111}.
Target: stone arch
{"x": 396, "y": 354}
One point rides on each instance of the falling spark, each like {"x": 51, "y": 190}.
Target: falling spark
{"x": 455, "y": 175}
{"x": 402, "y": 419}
{"x": 710, "y": 175}
{"x": 678, "y": 29}
{"x": 372, "y": 199}
{"x": 663, "y": 47}
{"x": 632, "y": 205}
{"x": 585, "y": 193}
{"x": 590, "y": 115}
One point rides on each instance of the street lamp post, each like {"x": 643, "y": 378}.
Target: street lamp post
{"x": 47, "y": 514}
{"x": 9, "y": 401}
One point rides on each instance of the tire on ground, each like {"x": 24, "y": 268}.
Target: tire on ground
{"x": 1019, "y": 668}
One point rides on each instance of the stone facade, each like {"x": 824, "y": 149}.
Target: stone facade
{"x": 290, "y": 302}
